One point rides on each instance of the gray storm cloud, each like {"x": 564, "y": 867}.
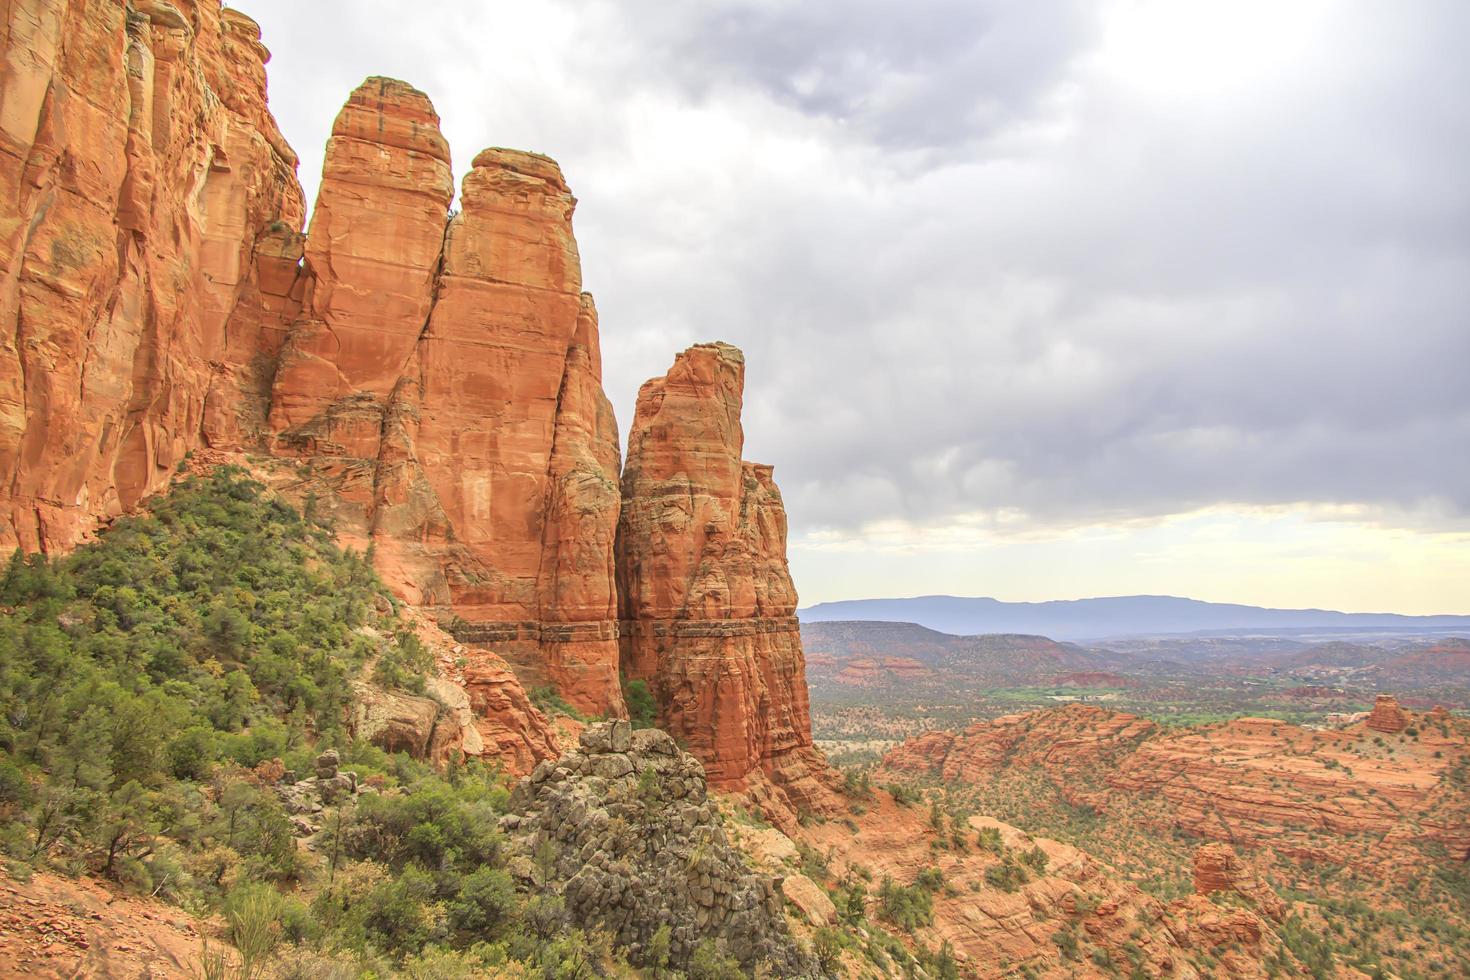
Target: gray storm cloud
{"x": 975, "y": 271}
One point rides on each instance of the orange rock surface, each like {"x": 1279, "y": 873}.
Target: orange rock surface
{"x": 997, "y": 933}
{"x": 435, "y": 379}
{"x": 1218, "y": 869}
{"x": 1061, "y": 740}
{"x": 1347, "y": 795}
{"x": 141, "y": 168}
{"x": 440, "y": 379}
{"x": 53, "y": 927}
{"x": 708, "y": 605}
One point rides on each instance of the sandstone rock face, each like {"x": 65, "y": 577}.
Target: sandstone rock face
{"x": 1064, "y": 741}
{"x": 1217, "y": 868}
{"x": 637, "y": 845}
{"x": 994, "y": 932}
{"x": 708, "y": 606}
{"x": 440, "y": 378}
{"x": 372, "y": 254}
{"x": 506, "y": 722}
{"x": 1387, "y": 716}
{"x": 513, "y": 436}
{"x": 159, "y": 299}
{"x": 142, "y": 169}
{"x": 444, "y": 382}
{"x": 395, "y": 721}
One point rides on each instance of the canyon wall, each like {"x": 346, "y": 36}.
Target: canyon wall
{"x": 708, "y": 606}
{"x": 141, "y": 167}
{"x": 429, "y": 379}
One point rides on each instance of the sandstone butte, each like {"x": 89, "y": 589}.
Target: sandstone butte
{"x": 433, "y": 380}
{"x": 1348, "y": 796}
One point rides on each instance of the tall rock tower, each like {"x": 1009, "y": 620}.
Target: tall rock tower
{"x": 708, "y": 606}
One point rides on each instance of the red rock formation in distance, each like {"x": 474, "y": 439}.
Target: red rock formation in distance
{"x": 708, "y": 606}
{"x": 1387, "y": 716}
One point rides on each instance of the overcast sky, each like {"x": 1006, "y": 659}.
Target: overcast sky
{"x": 1039, "y": 300}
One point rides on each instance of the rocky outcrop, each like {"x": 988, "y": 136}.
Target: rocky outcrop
{"x": 439, "y": 376}
{"x": 623, "y": 832}
{"x": 1387, "y": 716}
{"x": 1217, "y": 868}
{"x": 506, "y": 723}
{"x": 395, "y": 721}
{"x": 1065, "y": 741}
{"x": 513, "y": 437}
{"x": 372, "y": 255}
{"x": 708, "y": 606}
{"x": 307, "y": 797}
{"x": 994, "y": 930}
{"x": 433, "y": 378}
{"x": 444, "y": 383}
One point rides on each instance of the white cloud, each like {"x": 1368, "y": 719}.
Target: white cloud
{"x": 1077, "y": 264}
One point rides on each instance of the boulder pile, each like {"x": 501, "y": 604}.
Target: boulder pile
{"x": 622, "y": 831}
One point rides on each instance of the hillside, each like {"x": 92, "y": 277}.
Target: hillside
{"x": 215, "y": 705}
{"x": 873, "y": 682}
{"x": 1095, "y": 619}
{"x": 1362, "y": 826}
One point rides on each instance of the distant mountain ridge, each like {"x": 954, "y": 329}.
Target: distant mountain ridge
{"x": 1101, "y": 618}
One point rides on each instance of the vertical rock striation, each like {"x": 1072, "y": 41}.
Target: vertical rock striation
{"x": 708, "y": 606}
{"x": 372, "y": 254}
{"x": 444, "y": 382}
{"x": 515, "y": 441}
{"x": 142, "y": 168}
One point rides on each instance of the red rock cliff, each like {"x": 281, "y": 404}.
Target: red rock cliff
{"x": 707, "y": 602}
{"x": 142, "y": 174}
{"x": 439, "y": 378}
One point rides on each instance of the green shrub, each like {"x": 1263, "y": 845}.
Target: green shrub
{"x": 485, "y": 905}
{"x": 1007, "y": 876}
{"x": 902, "y": 795}
{"x": 710, "y": 962}
{"x": 642, "y": 709}
{"x": 908, "y": 908}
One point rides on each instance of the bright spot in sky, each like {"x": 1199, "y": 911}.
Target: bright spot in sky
{"x": 1199, "y": 47}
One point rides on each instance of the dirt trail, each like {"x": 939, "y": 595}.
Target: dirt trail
{"x": 55, "y": 927}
